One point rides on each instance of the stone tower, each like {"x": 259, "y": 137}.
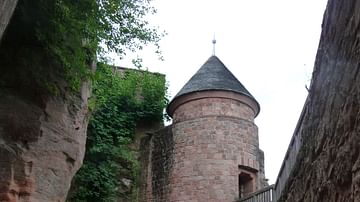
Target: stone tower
{"x": 216, "y": 155}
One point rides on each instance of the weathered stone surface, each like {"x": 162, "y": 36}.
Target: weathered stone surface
{"x": 141, "y": 145}
{"x": 7, "y": 8}
{"x": 42, "y": 132}
{"x": 40, "y": 148}
{"x": 201, "y": 155}
{"x": 145, "y": 163}
{"x": 157, "y": 162}
{"x": 328, "y": 167}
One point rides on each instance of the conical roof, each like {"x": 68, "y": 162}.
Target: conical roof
{"x": 213, "y": 75}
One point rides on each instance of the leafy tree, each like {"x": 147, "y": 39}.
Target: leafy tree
{"x": 77, "y": 31}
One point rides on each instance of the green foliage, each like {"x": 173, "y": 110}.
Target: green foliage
{"x": 73, "y": 30}
{"x": 122, "y": 101}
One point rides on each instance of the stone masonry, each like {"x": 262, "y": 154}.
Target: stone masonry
{"x": 211, "y": 151}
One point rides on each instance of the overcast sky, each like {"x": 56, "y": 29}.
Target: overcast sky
{"x": 269, "y": 45}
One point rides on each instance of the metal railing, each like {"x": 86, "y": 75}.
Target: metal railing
{"x": 263, "y": 195}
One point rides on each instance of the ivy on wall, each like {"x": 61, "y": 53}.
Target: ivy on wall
{"x": 122, "y": 100}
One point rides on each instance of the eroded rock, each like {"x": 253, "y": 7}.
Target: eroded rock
{"x": 330, "y": 168}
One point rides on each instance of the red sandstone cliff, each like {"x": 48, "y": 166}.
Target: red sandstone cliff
{"x": 42, "y": 134}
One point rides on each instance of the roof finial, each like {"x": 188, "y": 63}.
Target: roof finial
{"x": 214, "y": 42}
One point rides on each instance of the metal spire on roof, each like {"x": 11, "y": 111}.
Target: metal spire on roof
{"x": 214, "y": 42}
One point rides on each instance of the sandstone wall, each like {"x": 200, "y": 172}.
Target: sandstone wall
{"x": 198, "y": 157}
{"x": 157, "y": 161}
{"x": 262, "y": 180}
{"x": 213, "y": 107}
{"x": 208, "y": 152}
{"x": 328, "y": 167}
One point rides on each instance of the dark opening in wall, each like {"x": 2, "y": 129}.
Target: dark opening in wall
{"x": 247, "y": 180}
{"x": 246, "y": 184}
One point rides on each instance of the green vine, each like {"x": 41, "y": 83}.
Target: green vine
{"x": 122, "y": 101}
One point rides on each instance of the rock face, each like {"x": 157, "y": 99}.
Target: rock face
{"x": 328, "y": 167}
{"x": 41, "y": 148}
{"x": 42, "y": 132}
